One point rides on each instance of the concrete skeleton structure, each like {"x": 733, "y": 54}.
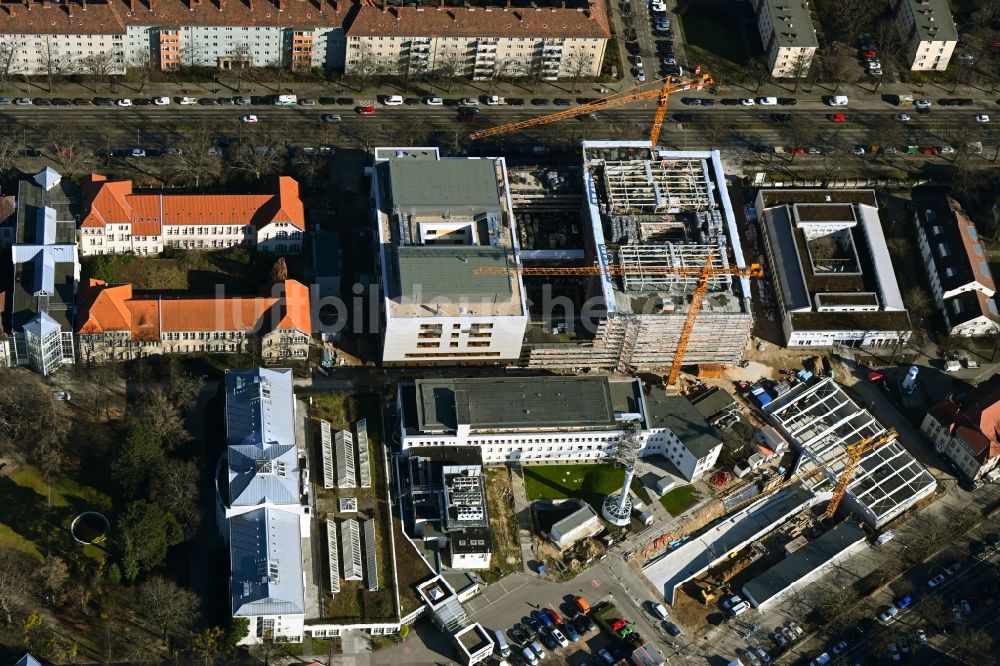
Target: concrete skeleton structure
{"x": 438, "y": 219}
{"x": 109, "y": 37}
{"x": 480, "y": 42}
{"x": 929, "y": 31}
{"x": 788, "y": 35}
{"x": 260, "y": 508}
{"x": 117, "y": 220}
{"x": 46, "y": 271}
{"x": 660, "y": 209}
{"x": 830, "y": 263}
{"x": 958, "y": 267}
{"x": 528, "y": 420}
{"x": 967, "y": 429}
{"x": 819, "y": 419}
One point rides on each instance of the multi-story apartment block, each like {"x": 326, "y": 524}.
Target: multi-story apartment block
{"x": 447, "y": 248}
{"x": 958, "y": 268}
{"x": 967, "y": 430}
{"x": 78, "y": 36}
{"x": 545, "y": 43}
{"x": 46, "y": 270}
{"x": 929, "y": 31}
{"x": 788, "y": 35}
{"x": 115, "y": 324}
{"x": 531, "y": 420}
{"x": 116, "y": 220}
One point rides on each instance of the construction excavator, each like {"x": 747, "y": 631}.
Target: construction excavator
{"x": 660, "y": 93}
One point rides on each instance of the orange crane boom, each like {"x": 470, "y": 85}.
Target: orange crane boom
{"x": 660, "y": 93}
{"x": 855, "y": 452}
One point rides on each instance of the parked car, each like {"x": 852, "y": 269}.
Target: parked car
{"x": 903, "y": 117}
{"x": 982, "y": 118}
{"x": 841, "y": 646}
{"x": 937, "y": 580}
{"x": 794, "y": 626}
{"x": 904, "y": 602}
{"x": 659, "y": 610}
{"x": 921, "y": 638}
{"x": 956, "y": 566}
{"x": 922, "y": 103}
{"x": 822, "y": 659}
{"x": 549, "y": 641}
{"x": 747, "y": 101}
{"x": 552, "y": 615}
{"x": 331, "y": 117}
{"x": 559, "y": 636}
{"x": 248, "y": 119}
{"x": 570, "y": 632}
{"x": 672, "y": 628}
{"x": 889, "y": 614}
{"x": 606, "y": 656}
{"x": 894, "y": 652}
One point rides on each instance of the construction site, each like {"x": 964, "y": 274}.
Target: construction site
{"x": 843, "y": 468}
{"x": 660, "y": 228}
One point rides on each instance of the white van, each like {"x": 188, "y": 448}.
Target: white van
{"x": 767, "y": 101}
{"x": 740, "y": 608}
{"x": 502, "y": 643}
{"x": 952, "y": 366}
{"x": 392, "y": 100}
{"x": 188, "y": 100}
{"x": 838, "y": 100}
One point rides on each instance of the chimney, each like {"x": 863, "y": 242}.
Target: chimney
{"x": 69, "y": 9}
{"x": 281, "y": 5}
{"x": 85, "y": 5}
{"x": 385, "y": 7}
{"x": 46, "y": 4}
{"x": 222, "y": 5}
{"x": 250, "y": 4}
{"x": 27, "y": 3}
{"x": 564, "y": 4}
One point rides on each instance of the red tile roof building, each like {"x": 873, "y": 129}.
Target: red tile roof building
{"x": 116, "y": 220}
{"x": 967, "y": 430}
{"x": 114, "y": 323}
{"x": 482, "y": 42}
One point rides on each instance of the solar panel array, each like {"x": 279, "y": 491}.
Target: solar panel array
{"x": 364, "y": 468}
{"x": 370, "y": 561}
{"x": 331, "y": 542}
{"x": 344, "y": 444}
{"x": 350, "y": 553}
{"x": 328, "y": 473}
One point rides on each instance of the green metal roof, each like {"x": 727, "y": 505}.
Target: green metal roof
{"x": 444, "y": 183}
{"x": 506, "y": 403}
{"x": 428, "y": 272}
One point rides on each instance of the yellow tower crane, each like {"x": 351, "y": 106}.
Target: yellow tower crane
{"x": 704, "y": 273}
{"x": 855, "y": 452}
{"x": 638, "y": 94}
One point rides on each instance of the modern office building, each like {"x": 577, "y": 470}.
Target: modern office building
{"x": 46, "y": 270}
{"x": 481, "y": 41}
{"x": 788, "y": 35}
{"x": 554, "y": 419}
{"x": 116, "y": 219}
{"x": 967, "y": 430}
{"x": 829, "y": 261}
{"x": 260, "y": 508}
{"x": 957, "y": 266}
{"x": 929, "y": 32}
{"x": 447, "y": 254}
{"x": 116, "y": 324}
{"x": 660, "y": 210}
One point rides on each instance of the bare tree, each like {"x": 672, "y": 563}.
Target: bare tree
{"x": 53, "y": 61}
{"x": 156, "y": 412}
{"x": 759, "y": 74}
{"x": 100, "y": 66}
{"x": 838, "y": 607}
{"x": 308, "y": 166}
{"x": 932, "y": 612}
{"x": 175, "y": 486}
{"x": 363, "y": 66}
{"x": 197, "y": 160}
{"x": 72, "y": 154}
{"x": 8, "y": 53}
{"x": 449, "y": 68}
{"x": 10, "y": 150}
{"x": 580, "y": 64}
{"x": 800, "y": 68}
{"x": 256, "y": 155}
{"x": 53, "y": 574}
{"x": 972, "y": 646}
{"x": 15, "y": 582}
{"x": 241, "y": 57}
{"x": 499, "y": 70}
{"x": 836, "y": 66}
{"x": 168, "y": 605}
{"x": 142, "y": 65}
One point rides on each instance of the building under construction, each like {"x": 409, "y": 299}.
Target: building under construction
{"x": 650, "y": 210}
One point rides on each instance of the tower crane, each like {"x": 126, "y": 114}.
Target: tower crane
{"x": 703, "y": 273}
{"x": 855, "y": 452}
{"x": 640, "y": 93}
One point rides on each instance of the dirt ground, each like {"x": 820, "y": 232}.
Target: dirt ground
{"x": 506, "y": 549}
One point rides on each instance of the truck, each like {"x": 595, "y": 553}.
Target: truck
{"x": 609, "y": 618}
{"x": 286, "y": 100}
{"x": 493, "y": 100}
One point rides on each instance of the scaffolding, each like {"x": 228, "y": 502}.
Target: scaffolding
{"x": 656, "y": 185}
{"x": 642, "y": 266}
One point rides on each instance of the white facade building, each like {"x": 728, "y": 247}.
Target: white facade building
{"x": 63, "y": 54}
{"x": 828, "y": 257}
{"x": 958, "y": 268}
{"x": 929, "y": 32}
{"x": 787, "y": 33}
{"x": 555, "y": 419}
{"x": 479, "y": 42}
{"x": 446, "y": 248}
{"x": 261, "y": 512}
{"x": 966, "y": 430}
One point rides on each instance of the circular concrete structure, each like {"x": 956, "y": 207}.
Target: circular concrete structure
{"x": 90, "y": 527}
{"x": 615, "y": 511}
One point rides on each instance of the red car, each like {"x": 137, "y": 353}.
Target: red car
{"x": 869, "y": 54}
{"x": 838, "y": 118}
{"x": 366, "y": 110}
{"x": 554, "y": 616}
{"x": 467, "y": 119}
{"x": 798, "y": 150}
{"x": 876, "y": 376}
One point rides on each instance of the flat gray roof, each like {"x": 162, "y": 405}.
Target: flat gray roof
{"x": 787, "y": 573}
{"x": 713, "y": 401}
{"x": 429, "y": 272}
{"x": 792, "y": 23}
{"x": 459, "y": 182}
{"x": 676, "y": 413}
{"x": 506, "y": 403}
{"x": 326, "y": 253}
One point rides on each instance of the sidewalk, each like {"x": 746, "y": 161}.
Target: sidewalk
{"x": 523, "y": 515}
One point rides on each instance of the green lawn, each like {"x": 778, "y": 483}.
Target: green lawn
{"x": 35, "y": 520}
{"x": 678, "y": 500}
{"x": 713, "y": 33}
{"x": 590, "y": 483}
